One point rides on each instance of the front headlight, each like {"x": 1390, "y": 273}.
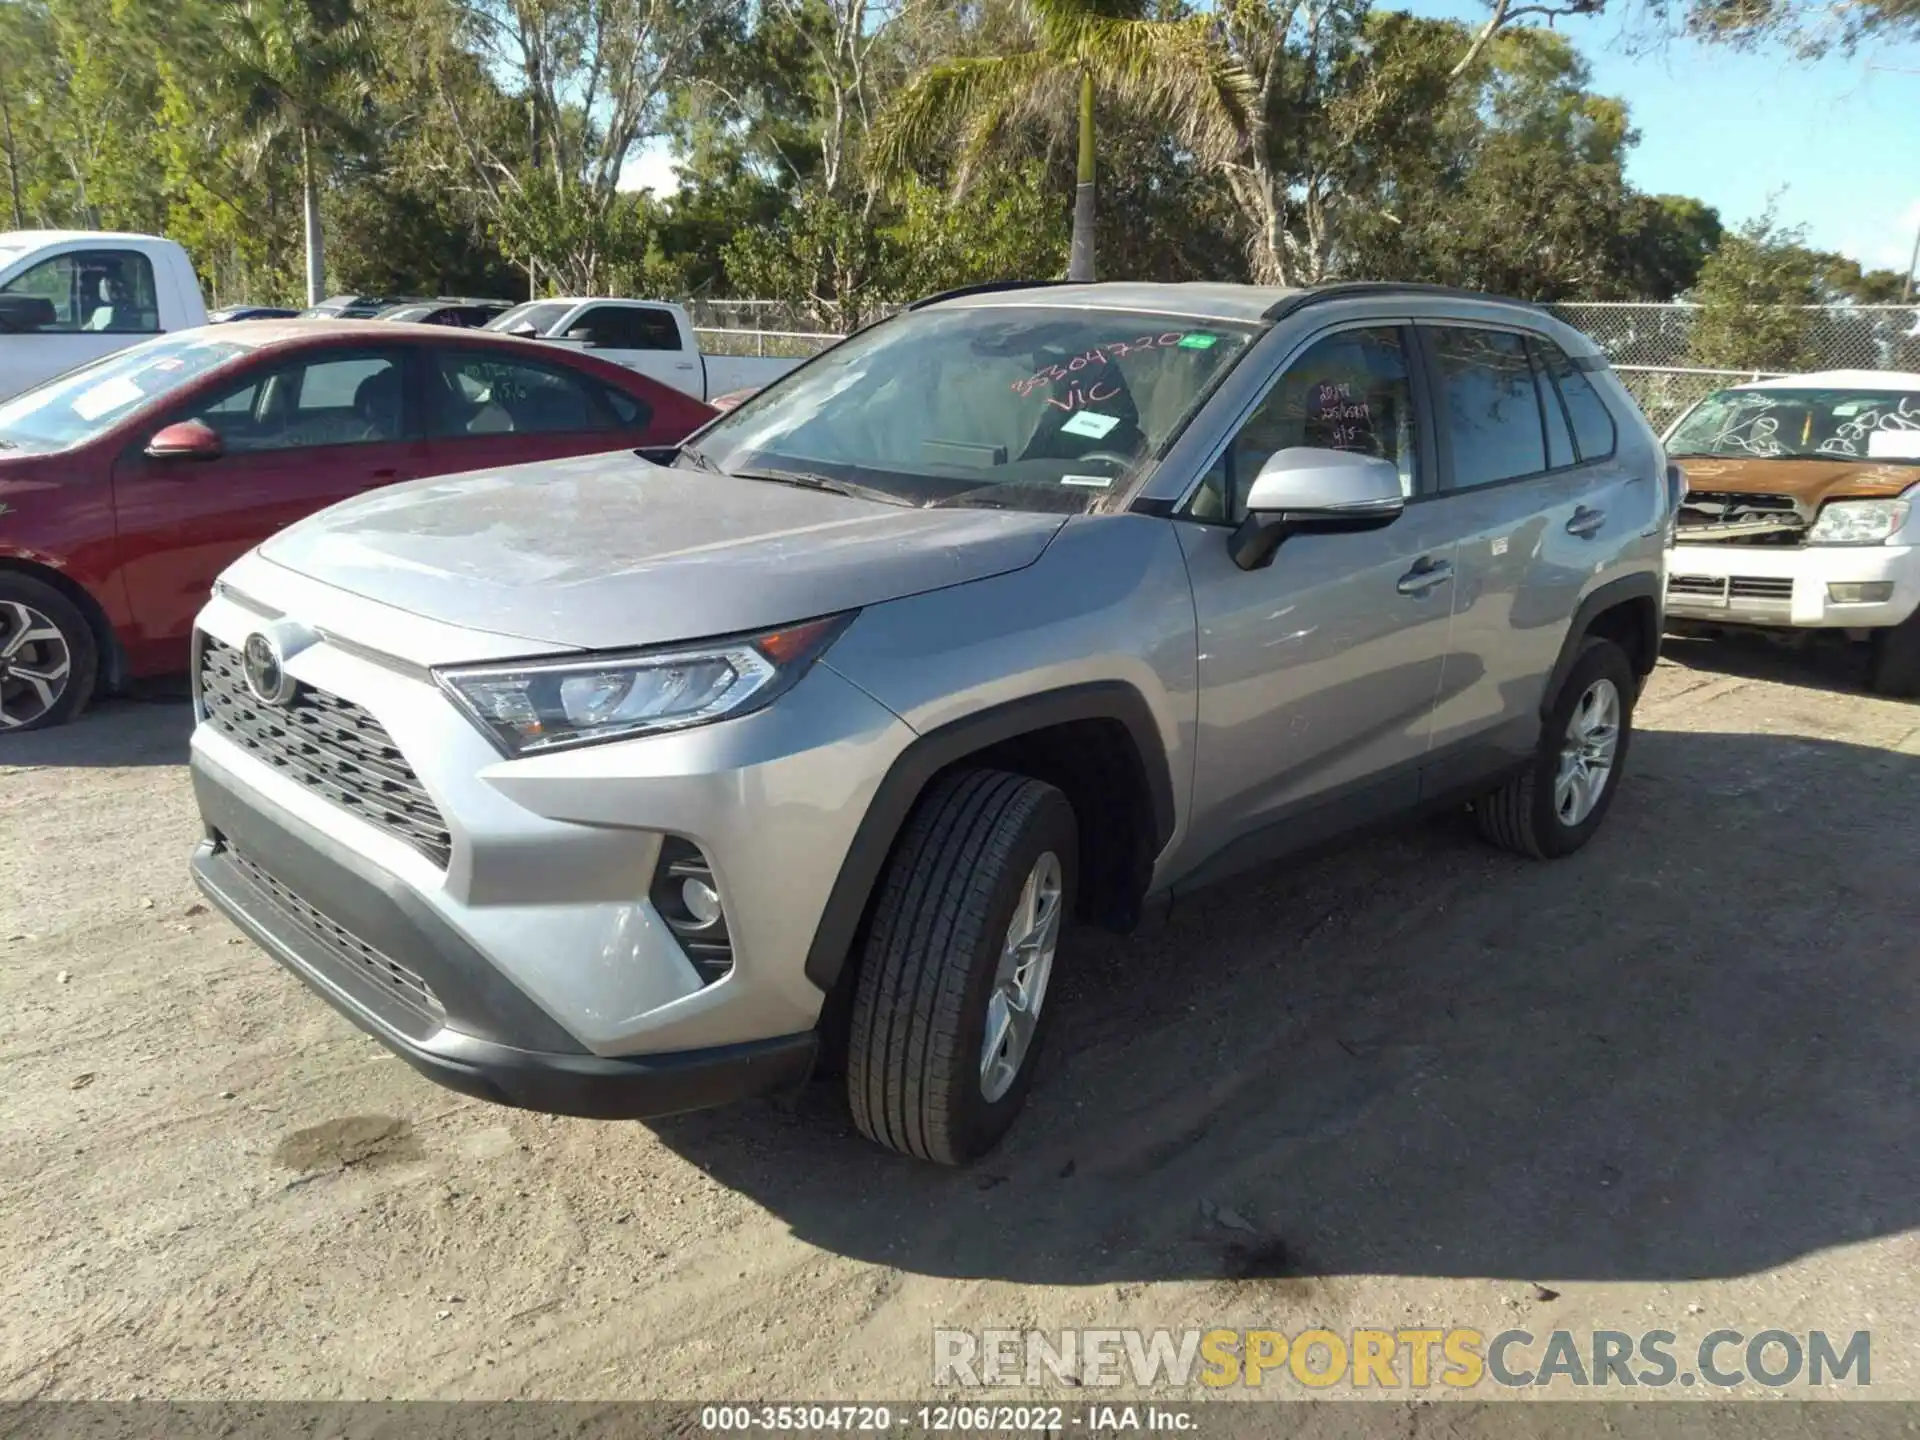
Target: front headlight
{"x": 1858, "y": 522}
{"x": 541, "y": 705}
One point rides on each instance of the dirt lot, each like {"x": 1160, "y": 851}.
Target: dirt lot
{"x": 1672, "y": 1080}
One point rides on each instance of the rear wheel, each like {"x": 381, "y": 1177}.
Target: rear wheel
{"x": 48, "y": 659}
{"x": 1555, "y": 805}
{"x": 950, "y": 1008}
{"x": 1896, "y": 660}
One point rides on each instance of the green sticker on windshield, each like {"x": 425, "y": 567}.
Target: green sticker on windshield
{"x": 1198, "y": 342}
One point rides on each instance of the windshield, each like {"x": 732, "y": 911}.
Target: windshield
{"x": 1033, "y": 407}
{"x": 1779, "y": 424}
{"x": 84, "y": 403}
{"x": 541, "y": 314}
{"x": 407, "y": 312}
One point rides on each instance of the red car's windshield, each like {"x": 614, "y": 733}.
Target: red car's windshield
{"x": 83, "y": 403}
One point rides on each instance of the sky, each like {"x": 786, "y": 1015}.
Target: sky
{"x": 1834, "y": 144}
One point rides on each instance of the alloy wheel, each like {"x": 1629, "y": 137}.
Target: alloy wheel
{"x": 1587, "y": 753}
{"x": 1020, "y": 983}
{"x": 35, "y": 664}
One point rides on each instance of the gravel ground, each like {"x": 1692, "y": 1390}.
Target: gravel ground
{"x": 1667, "y": 1084}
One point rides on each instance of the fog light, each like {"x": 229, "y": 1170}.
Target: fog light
{"x": 687, "y": 899}
{"x": 701, "y": 899}
{"x": 1860, "y": 592}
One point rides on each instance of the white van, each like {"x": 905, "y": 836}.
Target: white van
{"x": 68, "y": 297}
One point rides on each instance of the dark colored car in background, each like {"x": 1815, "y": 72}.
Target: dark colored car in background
{"x": 466, "y": 314}
{"x": 357, "y": 307}
{"x": 249, "y": 312}
{"x": 128, "y": 485}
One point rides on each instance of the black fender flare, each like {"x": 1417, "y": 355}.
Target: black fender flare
{"x": 1643, "y": 586}
{"x": 933, "y": 752}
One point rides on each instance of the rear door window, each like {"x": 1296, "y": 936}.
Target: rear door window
{"x": 1488, "y": 406}
{"x": 1594, "y": 433}
{"x": 477, "y": 393}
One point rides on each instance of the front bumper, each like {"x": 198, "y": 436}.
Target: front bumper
{"x": 1788, "y": 586}
{"x": 359, "y": 940}
{"x": 523, "y": 959}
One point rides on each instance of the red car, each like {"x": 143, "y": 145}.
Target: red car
{"x": 128, "y": 485}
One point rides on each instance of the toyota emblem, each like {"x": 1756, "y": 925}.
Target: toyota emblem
{"x": 266, "y": 671}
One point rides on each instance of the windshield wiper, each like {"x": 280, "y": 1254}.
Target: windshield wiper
{"x": 700, "y": 461}
{"x": 9, "y": 444}
{"x": 807, "y": 480}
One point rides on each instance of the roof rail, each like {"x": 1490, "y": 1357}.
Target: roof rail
{"x": 986, "y": 289}
{"x": 1343, "y": 289}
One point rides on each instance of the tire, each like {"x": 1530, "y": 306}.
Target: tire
{"x": 931, "y": 965}
{"x": 1531, "y": 814}
{"x": 1896, "y": 660}
{"x": 48, "y": 658}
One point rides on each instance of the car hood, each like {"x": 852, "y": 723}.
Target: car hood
{"x": 608, "y": 551}
{"x": 1810, "y": 482}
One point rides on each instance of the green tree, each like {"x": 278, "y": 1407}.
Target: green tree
{"x": 1808, "y": 26}
{"x": 1512, "y": 180}
{"x": 292, "y": 71}
{"x": 1753, "y": 294}
{"x": 1073, "y": 51}
{"x": 1665, "y": 241}
{"x": 587, "y": 82}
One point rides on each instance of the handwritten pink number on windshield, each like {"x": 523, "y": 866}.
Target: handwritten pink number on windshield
{"x": 1098, "y": 355}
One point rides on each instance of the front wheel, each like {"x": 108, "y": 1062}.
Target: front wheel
{"x": 1896, "y": 660}
{"x": 950, "y": 1007}
{"x": 1555, "y": 805}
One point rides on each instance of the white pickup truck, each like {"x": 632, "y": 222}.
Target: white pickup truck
{"x": 68, "y": 297}
{"x": 650, "y": 336}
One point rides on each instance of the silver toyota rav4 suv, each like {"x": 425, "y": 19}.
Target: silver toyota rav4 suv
{"x": 632, "y": 784}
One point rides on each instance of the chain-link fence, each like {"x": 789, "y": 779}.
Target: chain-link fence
{"x": 1650, "y": 346}
{"x": 1667, "y": 392}
{"x": 1836, "y": 337}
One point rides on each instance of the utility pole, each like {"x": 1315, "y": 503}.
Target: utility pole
{"x": 1913, "y": 263}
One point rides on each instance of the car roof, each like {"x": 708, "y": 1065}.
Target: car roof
{"x": 264, "y": 334}
{"x": 12, "y": 238}
{"x": 1194, "y": 298}
{"x": 1209, "y": 300}
{"x": 1839, "y": 380}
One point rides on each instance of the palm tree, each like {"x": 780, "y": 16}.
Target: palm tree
{"x": 293, "y": 68}
{"x": 1082, "y": 48}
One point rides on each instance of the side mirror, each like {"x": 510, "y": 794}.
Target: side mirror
{"x": 583, "y": 335}
{"x": 187, "y": 440}
{"x": 1304, "y": 490}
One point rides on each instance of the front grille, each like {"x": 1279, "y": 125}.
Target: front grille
{"x": 1720, "y": 588}
{"x": 332, "y": 746}
{"x": 1708, "y": 587}
{"x": 1734, "y": 518}
{"x": 349, "y": 952}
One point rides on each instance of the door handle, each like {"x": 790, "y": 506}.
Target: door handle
{"x": 1586, "y": 523}
{"x": 1424, "y": 575}
{"x": 388, "y": 474}
{"x": 684, "y": 365}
